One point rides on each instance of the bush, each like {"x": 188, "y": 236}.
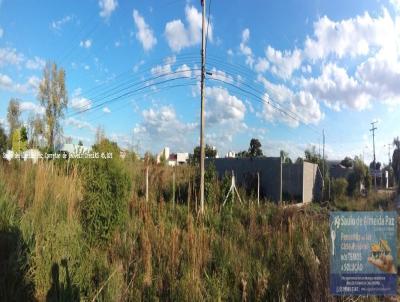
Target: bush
{"x": 339, "y": 188}
{"x": 106, "y": 187}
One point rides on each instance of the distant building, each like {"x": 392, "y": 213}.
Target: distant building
{"x": 172, "y": 159}
{"x": 230, "y": 154}
{"x": 337, "y": 170}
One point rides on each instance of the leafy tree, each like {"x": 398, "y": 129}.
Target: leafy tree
{"x": 255, "y": 148}
{"x": 285, "y": 157}
{"x": 339, "y": 188}
{"x": 396, "y": 159}
{"x": 243, "y": 154}
{"x": 19, "y": 140}
{"x": 360, "y": 175}
{"x": 210, "y": 152}
{"x": 54, "y": 97}
{"x": 13, "y": 118}
{"x": 299, "y": 160}
{"x": 36, "y": 129}
{"x": 3, "y": 141}
{"x": 347, "y": 162}
{"x": 377, "y": 166}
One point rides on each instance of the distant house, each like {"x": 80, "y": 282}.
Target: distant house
{"x": 337, "y": 170}
{"x": 172, "y": 159}
{"x": 230, "y": 154}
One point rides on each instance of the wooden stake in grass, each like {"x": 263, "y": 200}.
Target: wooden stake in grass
{"x": 173, "y": 188}
{"x": 147, "y": 184}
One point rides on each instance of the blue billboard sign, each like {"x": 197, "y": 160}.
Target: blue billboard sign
{"x": 363, "y": 253}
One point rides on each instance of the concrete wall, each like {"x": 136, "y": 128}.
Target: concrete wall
{"x": 246, "y": 169}
{"x": 292, "y": 182}
{"x": 301, "y": 182}
{"x": 310, "y": 175}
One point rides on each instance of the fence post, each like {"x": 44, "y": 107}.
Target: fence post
{"x": 147, "y": 184}
{"x": 258, "y": 188}
{"x": 173, "y": 187}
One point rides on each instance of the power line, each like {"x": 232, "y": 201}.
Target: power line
{"x": 373, "y": 128}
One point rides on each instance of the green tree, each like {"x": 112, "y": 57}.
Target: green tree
{"x": 285, "y": 157}
{"x": 53, "y": 96}
{"x": 396, "y": 159}
{"x": 242, "y": 154}
{"x": 255, "y": 148}
{"x": 360, "y": 175}
{"x": 3, "y": 141}
{"x": 13, "y": 118}
{"x": 19, "y": 140}
{"x": 209, "y": 151}
{"x": 339, "y": 188}
{"x": 347, "y": 162}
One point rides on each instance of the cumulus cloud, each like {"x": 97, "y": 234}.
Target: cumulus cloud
{"x": 245, "y": 49}
{"x": 283, "y": 63}
{"x": 144, "y": 34}
{"x": 10, "y": 56}
{"x": 162, "y": 127}
{"x": 106, "y": 110}
{"x": 80, "y": 124}
{"x": 337, "y": 89}
{"x": 86, "y": 43}
{"x": 35, "y": 63}
{"x": 30, "y": 106}
{"x": 58, "y": 24}
{"x": 79, "y": 102}
{"x": 107, "y": 7}
{"x": 299, "y": 106}
{"x": 30, "y": 86}
{"x": 354, "y": 36}
{"x": 180, "y": 36}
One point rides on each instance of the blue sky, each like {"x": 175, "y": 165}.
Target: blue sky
{"x": 332, "y": 65}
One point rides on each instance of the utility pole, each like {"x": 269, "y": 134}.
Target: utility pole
{"x": 202, "y": 121}
{"x": 373, "y": 128}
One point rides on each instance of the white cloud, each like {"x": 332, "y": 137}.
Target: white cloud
{"x": 245, "y": 49}
{"x": 144, "y": 34}
{"x": 223, "y": 107}
{"x": 162, "y": 127}
{"x": 10, "y": 56}
{"x": 106, "y": 110}
{"x": 337, "y": 89}
{"x": 30, "y": 86}
{"x": 80, "y": 103}
{"x": 262, "y": 65}
{"x": 30, "y": 106}
{"x": 86, "y": 43}
{"x": 107, "y": 7}
{"x": 283, "y": 63}
{"x": 71, "y": 121}
{"x": 184, "y": 71}
{"x": 57, "y": 25}
{"x": 299, "y": 106}
{"x": 395, "y": 4}
{"x": 180, "y": 36}
{"x": 35, "y": 63}
{"x": 354, "y": 37}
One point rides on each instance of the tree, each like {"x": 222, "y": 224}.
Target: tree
{"x": 377, "y": 166}
{"x": 360, "y": 175}
{"x": 13, "y": 115}
{"x": 209, "y": 151}
{"x": 19, "y": 140}
{"x": 36, "y": 129}
{"x": 242, "y": 154}
{"x": 396, "y": 159}
{"x": 285, "y": 157}
{"x": 53, "y": 97}
{"x": 347, "y": 162}
{"x": 3, "y": 141}
{"x": 255, "y": 148}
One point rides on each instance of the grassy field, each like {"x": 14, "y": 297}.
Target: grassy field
{"x": 61, "y": 240}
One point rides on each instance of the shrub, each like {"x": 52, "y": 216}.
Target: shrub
{"x": 339, "y": 188}
{"x": 106, "y": 186}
